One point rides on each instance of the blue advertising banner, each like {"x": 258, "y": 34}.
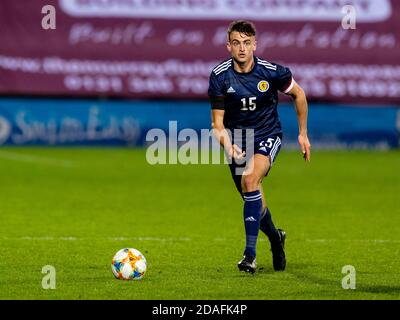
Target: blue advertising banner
{"x": 126, "y": 122}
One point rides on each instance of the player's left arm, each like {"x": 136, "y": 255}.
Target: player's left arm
{"x": 301, "y": 106}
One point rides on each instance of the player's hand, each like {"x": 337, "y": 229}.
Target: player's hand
{"x": 236, "y": 153}
{"x": 305, "y": 146}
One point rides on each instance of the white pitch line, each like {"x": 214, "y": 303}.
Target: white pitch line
{"x": 353, "y": 240}
{"x": 182, "y": 239}
{"x": 49, "y": 238}
{"x": 8, "y": 155}
{"x": 148, "y": 239}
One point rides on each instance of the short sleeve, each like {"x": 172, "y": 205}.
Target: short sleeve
{"x": 215, "y": 92}
{"x": 284, "y": 81}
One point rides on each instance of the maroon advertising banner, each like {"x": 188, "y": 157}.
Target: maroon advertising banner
{"x": 339, "y": 51}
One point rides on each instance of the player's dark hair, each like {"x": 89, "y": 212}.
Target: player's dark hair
{"x": 242, "y": 26}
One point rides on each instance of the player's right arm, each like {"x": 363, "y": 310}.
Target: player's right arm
{"x": 217, "y": 100}
{"x": 220, "y": 133}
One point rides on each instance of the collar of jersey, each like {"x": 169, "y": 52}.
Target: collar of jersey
{"x": 244, "y": 73}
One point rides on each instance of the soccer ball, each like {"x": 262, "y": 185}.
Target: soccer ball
{"x": 129, "y": 264}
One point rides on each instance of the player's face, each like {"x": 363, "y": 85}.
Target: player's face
{"x": 241, "y": 46}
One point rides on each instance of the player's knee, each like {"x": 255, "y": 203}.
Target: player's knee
{"x": 250, "y": 183}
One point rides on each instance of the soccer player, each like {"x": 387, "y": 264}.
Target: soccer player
{"x": 243, "y": 92}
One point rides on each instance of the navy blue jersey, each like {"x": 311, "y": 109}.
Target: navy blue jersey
{"x": 250, "y": 99}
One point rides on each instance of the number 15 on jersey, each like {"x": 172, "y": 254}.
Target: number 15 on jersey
{"x": 250, "y": 104}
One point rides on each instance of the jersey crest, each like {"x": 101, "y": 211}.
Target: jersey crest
{"x": 263, "y": 86}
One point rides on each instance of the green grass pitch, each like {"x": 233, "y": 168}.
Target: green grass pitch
{"x": 73, "y": 208}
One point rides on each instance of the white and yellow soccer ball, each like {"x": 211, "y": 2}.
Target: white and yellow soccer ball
{"x": 129, "y": 264}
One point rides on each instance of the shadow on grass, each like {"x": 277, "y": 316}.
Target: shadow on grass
{"x": 387, "y": 289}
{"x": 297, "y": 270}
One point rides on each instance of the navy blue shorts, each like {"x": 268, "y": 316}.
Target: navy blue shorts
{"x": 268, "y": 146}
